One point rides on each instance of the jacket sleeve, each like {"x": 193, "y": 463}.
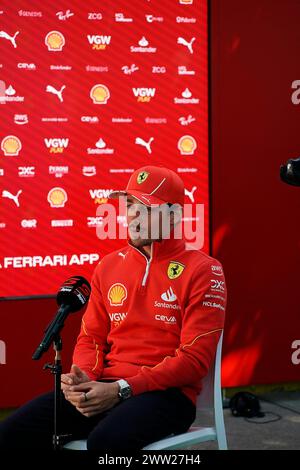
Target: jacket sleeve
{"x": 202, "y": 324}
{"x": 91, "y": 343}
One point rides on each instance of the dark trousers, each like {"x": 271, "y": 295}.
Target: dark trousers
{"x": 130, "y": 425}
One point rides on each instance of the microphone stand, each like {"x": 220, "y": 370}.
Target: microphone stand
{"x": 72, "y": 296}
{"x": 58, "y": 439}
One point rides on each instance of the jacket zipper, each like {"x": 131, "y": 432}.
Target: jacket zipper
{"x": 146, "y": 272}
{"x": 148, "y": 261}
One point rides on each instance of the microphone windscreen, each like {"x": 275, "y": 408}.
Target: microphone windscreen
{"x": 74, "y": 292}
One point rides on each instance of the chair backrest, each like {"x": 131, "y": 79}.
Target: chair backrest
{"x": 210, "y": 398}
{"x": 209, "y": 413}
{"x": 211, "y": 382}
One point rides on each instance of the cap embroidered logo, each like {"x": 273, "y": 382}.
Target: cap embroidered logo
{"x": 142, "y": 176}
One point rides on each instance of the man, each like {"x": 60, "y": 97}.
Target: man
{"x": 148, "y": 336}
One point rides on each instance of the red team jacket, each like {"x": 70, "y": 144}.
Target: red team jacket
{"x": 154, "y": 323}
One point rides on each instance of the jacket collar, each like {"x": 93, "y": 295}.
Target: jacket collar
{"x": 166, "y": 248}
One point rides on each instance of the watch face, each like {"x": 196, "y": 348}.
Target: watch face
{"x": 125, "y": 391}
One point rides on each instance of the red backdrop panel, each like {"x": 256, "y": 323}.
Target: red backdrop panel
{"x": 88, "y": 95}
{"x": 256, "y": 224}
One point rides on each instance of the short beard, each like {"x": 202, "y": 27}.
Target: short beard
{"x": 139, "y": 242}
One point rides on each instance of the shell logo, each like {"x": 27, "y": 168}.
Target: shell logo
{"x": 100, "y": 94}
{"x": 55, "y": 41}
{"x": 187, "y": 145}
{"x": 57, "y": 197}
{"x": 117, "y": 294}
{"x": 11, "y": 145}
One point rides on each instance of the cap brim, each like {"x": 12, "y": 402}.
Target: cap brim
{"x": 146, "y": 199}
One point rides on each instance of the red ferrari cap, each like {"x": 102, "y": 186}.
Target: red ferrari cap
{"x": 154, "y": 185}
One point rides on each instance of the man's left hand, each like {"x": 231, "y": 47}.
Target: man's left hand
{"x": 92, "y": 398}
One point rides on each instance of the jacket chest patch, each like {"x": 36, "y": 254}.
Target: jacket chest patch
{"x": 117, "y": 294}
{"x": 175, "y": 269}
{"x": 169, "y": 299}
{"x": 117, "y": 317}
{"x": 167, "y": 319}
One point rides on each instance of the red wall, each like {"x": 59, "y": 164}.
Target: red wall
{"x": 256, "y": 223}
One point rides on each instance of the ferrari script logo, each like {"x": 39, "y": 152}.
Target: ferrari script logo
{"x": 175, "y": 269}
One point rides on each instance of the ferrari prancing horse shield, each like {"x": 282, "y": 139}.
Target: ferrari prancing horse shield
{"x": 175, "y": 269}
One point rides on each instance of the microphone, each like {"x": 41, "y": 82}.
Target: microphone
{"x": 71, "y": 297}
{"x": 290, "y": 172}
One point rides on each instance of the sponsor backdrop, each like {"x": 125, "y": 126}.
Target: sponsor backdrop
{"x": 89, "y": 92}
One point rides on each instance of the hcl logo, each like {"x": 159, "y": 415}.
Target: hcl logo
{"x": 98, "y": 42}
{"x": 2, "y": 352}
{"x": 144, "y": 95}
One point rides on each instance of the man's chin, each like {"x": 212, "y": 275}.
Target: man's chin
{"x": 139, "y": 242}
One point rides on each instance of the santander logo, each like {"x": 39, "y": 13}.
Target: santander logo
{"x": 169, "y": 295}
{"x": 169, "y": 298}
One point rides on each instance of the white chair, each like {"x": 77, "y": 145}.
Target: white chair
{"x": 209, "y": 401}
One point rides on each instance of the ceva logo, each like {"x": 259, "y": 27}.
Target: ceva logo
{"x": 144, "y": 95}
{"x": 2, "y": 352}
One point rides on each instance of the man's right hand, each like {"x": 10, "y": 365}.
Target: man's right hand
{"x": 75, "y": 377}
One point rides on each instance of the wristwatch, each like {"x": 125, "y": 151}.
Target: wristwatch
{"x": 124, "y": 389}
